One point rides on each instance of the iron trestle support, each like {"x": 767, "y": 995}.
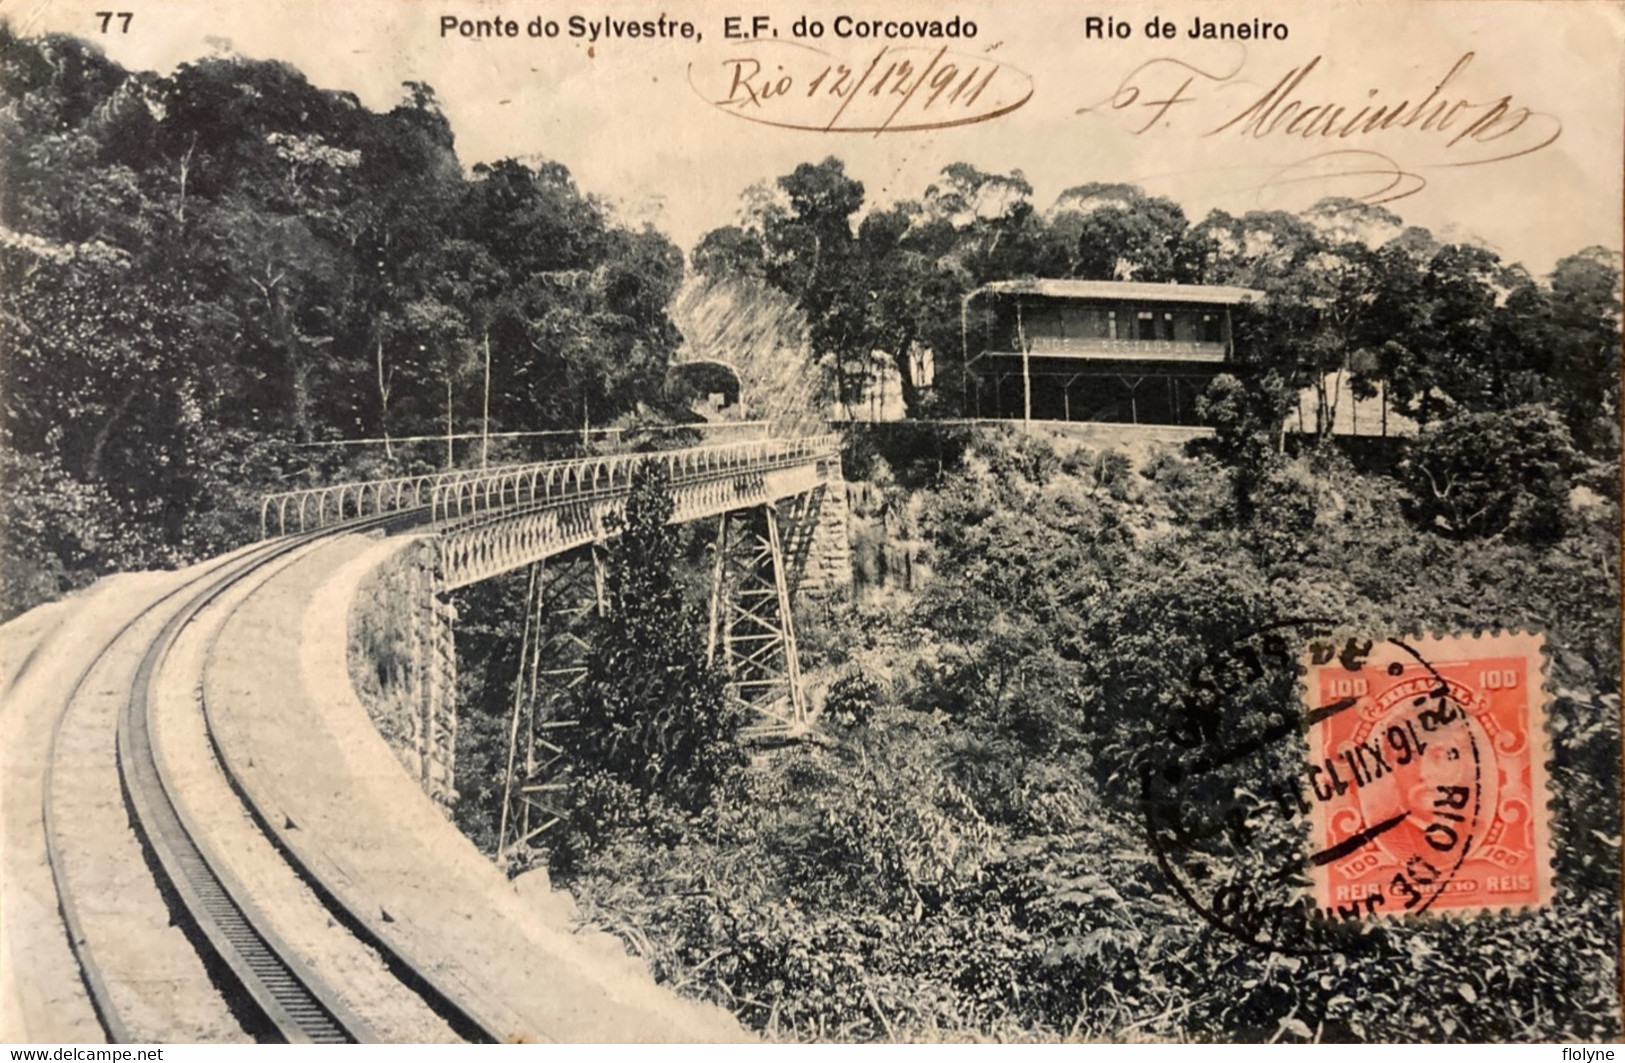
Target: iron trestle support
{"x": 756, "y": 565}
{"x": 563, "y": 593}
{"x": 760, "y": 555}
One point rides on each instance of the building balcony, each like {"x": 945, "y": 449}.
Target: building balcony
{"x": 1149, "y": 350}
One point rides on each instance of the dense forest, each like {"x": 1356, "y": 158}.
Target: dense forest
{"x": 209, "y": 279}
{"x": 963, "y": 854}
{"x": 1446, "y": 327}
{"x": 203, "y": 274}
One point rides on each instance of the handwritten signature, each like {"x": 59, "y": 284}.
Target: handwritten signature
{"x": 893, "y": 89}
{"x": 1436, "y": 128}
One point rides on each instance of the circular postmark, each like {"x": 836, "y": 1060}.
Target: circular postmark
{"x": 1309, "y": 783}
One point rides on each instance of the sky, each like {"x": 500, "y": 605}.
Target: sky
{"x": 1530, "y": 97}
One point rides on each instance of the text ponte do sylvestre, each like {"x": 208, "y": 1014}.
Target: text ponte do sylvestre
{"x": 576, "y": 26}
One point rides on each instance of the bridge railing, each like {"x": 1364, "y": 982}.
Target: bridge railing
{"x": 309, "y": 508}
{"x": 582, "y": 479}
{"x": 466, "y": 492}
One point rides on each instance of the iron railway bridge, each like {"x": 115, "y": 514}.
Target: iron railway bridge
{"x": 283, "y": 877}
{"x": 767, "y": 501}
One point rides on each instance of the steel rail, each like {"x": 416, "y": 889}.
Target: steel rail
{"x": 465, "y": 1021}
{"x": 280, "y": 989}
{"x": 296, "y": 1003}
{"x": 101, "y": 1000}
{"x": 301, "y": 1007}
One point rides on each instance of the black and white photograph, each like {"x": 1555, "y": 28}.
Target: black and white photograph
{"x": 842, "y": 522}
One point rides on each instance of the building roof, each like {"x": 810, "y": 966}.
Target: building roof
{"x": 1056, "y": 288}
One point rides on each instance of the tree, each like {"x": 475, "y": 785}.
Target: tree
{"x": 1440, "y": 331}
{"x": 889, "y": 286}
{"x": 1316, "y": 319}
{"x": 730, "y": 251}
{"x": 415, "y": 182}
{"x": 811, "y": 255}
{"x": 1246, "y": 419}
{"x": 1123, "y": 234}
{"x": 1585, "y": 317}
{"x": 985, "y": 226}
{"x": 201, "y": 271}
{"x": 1480, "y": 475}
{"x": 1341, "y": 220}
{"x": 288, "y": 285}
{"x": 652, "y": 712}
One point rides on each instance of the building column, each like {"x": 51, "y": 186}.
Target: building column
{"x": 1026, "y": 368}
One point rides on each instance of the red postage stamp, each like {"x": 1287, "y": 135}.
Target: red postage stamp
{"x": 1427, "y": 775}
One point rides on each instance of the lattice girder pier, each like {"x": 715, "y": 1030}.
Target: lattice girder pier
{"x": 563, "y": 593}
{"x": 758, "y": 560}
{"x": 476, "y": 524}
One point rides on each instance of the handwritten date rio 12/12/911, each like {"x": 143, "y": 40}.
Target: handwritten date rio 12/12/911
{"x": 891, "y": 88}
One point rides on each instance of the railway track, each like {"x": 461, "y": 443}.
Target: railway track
{"x": 149, "y": 820}
{"x": 253, "y": 967}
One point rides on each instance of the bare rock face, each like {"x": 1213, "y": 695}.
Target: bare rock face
{"x": 758, "y": 332}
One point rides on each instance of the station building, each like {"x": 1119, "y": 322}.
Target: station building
{"x": 1096, "y": 351}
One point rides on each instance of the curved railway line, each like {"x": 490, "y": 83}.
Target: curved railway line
{"x": 255, "y": 968}
{"x": 189, "y": 910}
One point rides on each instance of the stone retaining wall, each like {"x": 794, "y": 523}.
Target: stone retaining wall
{"x": 403, "y": 664}
{"x": 829, "y": 561}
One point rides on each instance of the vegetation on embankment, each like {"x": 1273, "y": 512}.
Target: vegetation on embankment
{"x": 962, "y": 855}
{"x": 209, "y": 277}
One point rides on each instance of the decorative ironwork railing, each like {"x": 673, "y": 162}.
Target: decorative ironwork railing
{"x": 468, "y": 492}
{"x": 584, "y": 479}
{"x": 1168, "y": 350}
{"x": 309, "y": 508}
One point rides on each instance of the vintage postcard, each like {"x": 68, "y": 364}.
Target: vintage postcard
{"x": 840, "y": 522}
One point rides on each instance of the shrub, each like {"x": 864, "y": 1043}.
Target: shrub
{"x": 852, "y": 700}
{"x": 1479, "y": 475}
{"x": 651, "y": 712}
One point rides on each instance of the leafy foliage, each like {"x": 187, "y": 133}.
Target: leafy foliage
{"x": 207, "y": 274}
{"x": 964, "y": 856}
{"x": 1480, "y": 475}
{"x": 651, "y": 710}
{"x": 1354, "y": 301}
{"x": 653, "y": 725}
{"x": 203, "y": 274}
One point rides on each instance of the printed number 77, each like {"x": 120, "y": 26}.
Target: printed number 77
{"x": 123, "y": 16}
